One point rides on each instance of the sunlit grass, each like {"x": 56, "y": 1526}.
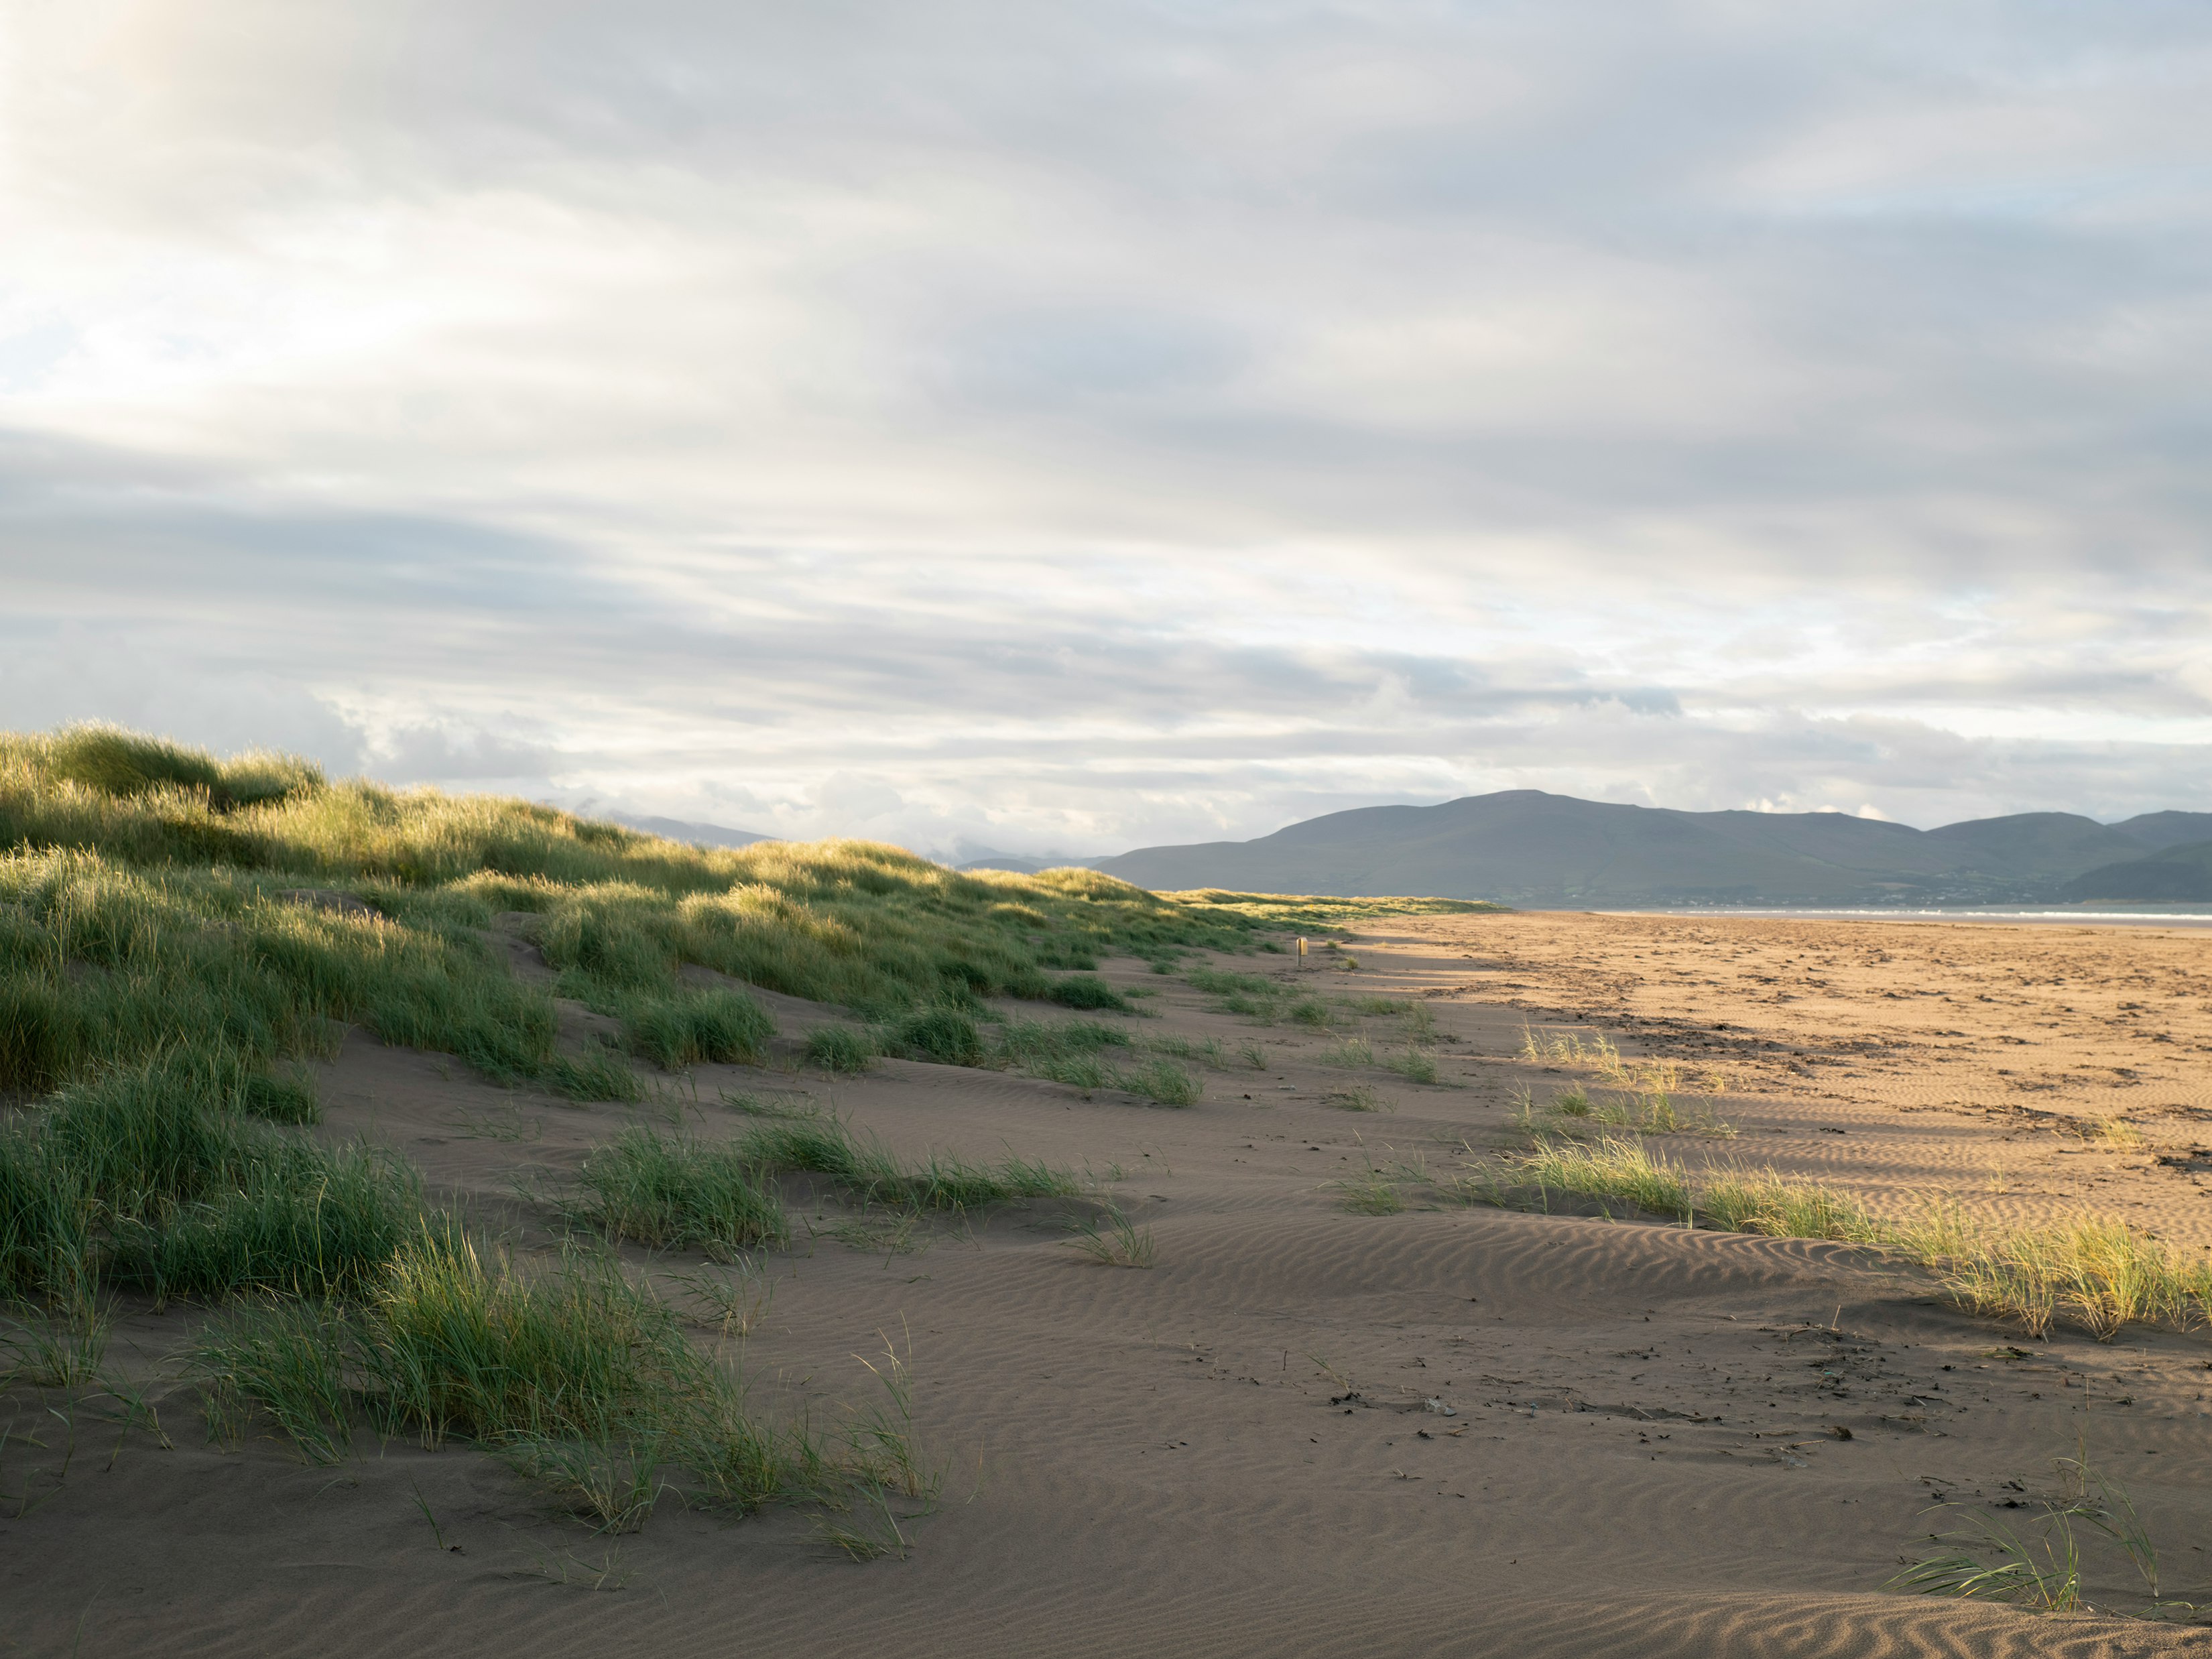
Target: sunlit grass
{"x": 2094, "y": 1274}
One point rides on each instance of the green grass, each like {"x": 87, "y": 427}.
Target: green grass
{"x": 2090, "y": 1524}
{"x": 840, "y": 1049}
{"x": 1113, "y": 1240}
{"x": 1353, "y": 1052}
{"x": 157, "y": 1175}
{"x": 1087, "y": 991}
{"x": 150, "y": 945}
{"x": 1415, "y": 1065}
{"x": 1076, "y": 1053}
{"x": 868, "y": 926}
{"x": 1197, "y": 1051}
{"x": 583, "y": 1379}
{"x": 946, "y": 1036}
{"x": 673, "y": 1192}
{"x": 1265, "y": 1000}
{"x": 1376, "y": 1190}
{"x": 826, "y": 1145}
{"x": 1611, "y": 1171}
{"x": 689, "y": 1026}
{"x": 179, "y": 932}
{"x": 1652, "y": 1111}
{"x": 2094, "y": 1274}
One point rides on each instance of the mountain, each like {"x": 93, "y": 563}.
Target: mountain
{"x": 2174, "y": 875}
{"x": 1023, "y": 864}
{"x": 2036, "y": 846}
{"x": 970, "y": 856}
{"x": 1526, "y": 846}
{"x": 2160, "y": 831}
{"x": 699, "y": 835}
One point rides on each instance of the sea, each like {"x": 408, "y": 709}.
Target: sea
{"x": 2047, "y": 915}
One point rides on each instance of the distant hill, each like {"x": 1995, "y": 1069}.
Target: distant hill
{"x": 2175, "y": 875}
{"x": 1524, "y": 846}
{"x": 2160, "y": 831}
{"x": 971, "y": 857}
{"x": 699, "y": 835}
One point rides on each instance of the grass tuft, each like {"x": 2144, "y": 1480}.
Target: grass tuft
{"x": 1120, "y": 1242}
{"x": 1359, "y": 1097}
{"x": 673, "y": 1192}
{"x": 840, "y": 1050}
{"x": 1415, "y": 1065}
{"x": 826, "y": 1145}
{"x": 2097, "y": 1275}
{"x": 1087, "y": 991}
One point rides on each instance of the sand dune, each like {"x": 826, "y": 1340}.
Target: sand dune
{"x": 1454, "y": 1431}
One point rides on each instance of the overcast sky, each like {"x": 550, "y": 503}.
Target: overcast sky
{"x": 1077, "y": 425}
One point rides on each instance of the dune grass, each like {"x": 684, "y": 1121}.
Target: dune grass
{"x": 2093, "y": 1274}
{"x": 179, "y": 932}
{"x": 158, "y": 1174}
{"x": 1652, "y": 1111}
{"x": 1351, "y": 1053}
{"x": 581, "y": 1378}
{"x": 1111, "y": 1239}
{"x": 1076, "y": 1053}
{"x": 1087, "y": 991}
{"x": 189, "y": 928}
{"x": 826, "y": 1145}
{"x": 1257, "y": 997}
{"x": 673, "y": 1192}
{"x": 2090, "y": 1524}
{"x": 840, "y": 1050}
{"x": 1597, "y": 1052}
{"x": 1415, "y": 1065}
{"x": 1379, "y": 1188}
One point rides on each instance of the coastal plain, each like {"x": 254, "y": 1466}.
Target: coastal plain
{"x": 1455, "y": 1428}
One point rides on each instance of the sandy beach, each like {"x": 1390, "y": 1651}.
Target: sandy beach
{"x": 1457, "y": 1429}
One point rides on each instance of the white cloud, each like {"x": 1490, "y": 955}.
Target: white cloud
{"x": 1087, "y": 425}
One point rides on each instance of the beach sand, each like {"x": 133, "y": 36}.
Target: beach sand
{"x": 1636, "y": 1444}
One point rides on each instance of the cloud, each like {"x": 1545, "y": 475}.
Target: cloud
{"x": 1117, "y": 422}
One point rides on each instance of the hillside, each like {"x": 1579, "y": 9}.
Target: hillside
{"x": 2174, "y": 875}
{"x": 1524, "y": 846}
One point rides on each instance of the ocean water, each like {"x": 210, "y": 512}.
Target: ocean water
{"x": 2106, "y": 915}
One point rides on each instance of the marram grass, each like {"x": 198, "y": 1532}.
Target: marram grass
{"x": 178, "y": 931}
{"x": 2094, "y": 1274}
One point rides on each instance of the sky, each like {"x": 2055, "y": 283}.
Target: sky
{"x": 1070, "y": 428}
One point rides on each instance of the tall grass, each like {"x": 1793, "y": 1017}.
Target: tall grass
{"x": 159, "y": 978}
{"x": 582, "y": 1378}
{"x": 2094, "y": 1274}
{"x": 178, "y": 931}
{"x": 826, "y": 1145}
{"x": 154, "y": 1174}
{"x": 840, "y": 1049}
{"x": 673, "y": 1192}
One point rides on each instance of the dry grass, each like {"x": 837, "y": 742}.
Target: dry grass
{"x": 2095, "y": 1274}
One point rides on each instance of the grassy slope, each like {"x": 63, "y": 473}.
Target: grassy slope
{"x": 175, "y": 930}
{"x": 159, "y": 968}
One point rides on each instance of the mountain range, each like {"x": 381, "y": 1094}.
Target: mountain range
{"x": 699, "y": 835}
{"x": 1526, "y": 846}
